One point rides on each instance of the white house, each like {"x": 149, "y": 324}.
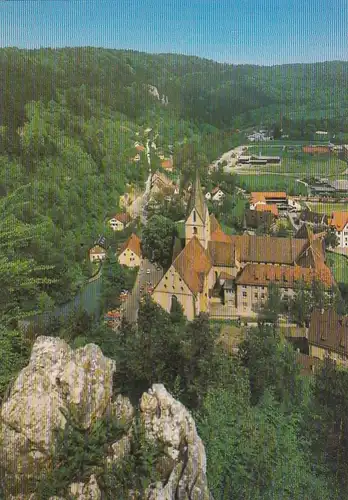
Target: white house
{"x": 119, "y": 221}
{"x": 293, "y": 204}
{"x": 339, "y": 221}
{"x": 217, "y": 194}
{"x": 97, "y": 253}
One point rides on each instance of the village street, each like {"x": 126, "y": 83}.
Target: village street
{"x": 131, "y": 305}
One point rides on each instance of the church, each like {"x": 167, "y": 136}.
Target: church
{"x": 228, "y": 276}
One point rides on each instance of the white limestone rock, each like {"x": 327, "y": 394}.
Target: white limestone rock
{"x": 89, "y": 491}
{"x": 168, "y": 421}
{"x": 59, "y": 381}
{"x": 56, "y": 378}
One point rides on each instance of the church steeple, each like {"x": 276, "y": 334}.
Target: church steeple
{"x": 197, "y": 200}
{"x": 197, "y": 222}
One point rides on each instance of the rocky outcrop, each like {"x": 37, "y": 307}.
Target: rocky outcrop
{"x": 168, "y": 423}
{"x": 60, "y": 382}
{"x": 154, "y": 92}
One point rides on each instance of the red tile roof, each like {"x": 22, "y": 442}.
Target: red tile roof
{"x": 133, "y": 243}
{"x": 256, "y": 196}
{"x": 329, "y": 330}
{"x": 193, "y": 264}
{"x": 315, "y": 149}
{"x": 139, "y": 147}
{"x": 167, "y": 164}
{"x": 339, "y": 220}
{"x": 122, "y": 217}
{"x": 284, "y": 276}
{"x": 222, "y": 253}
{"x": 272, "y": 250}
{"x": 268, "y": 208}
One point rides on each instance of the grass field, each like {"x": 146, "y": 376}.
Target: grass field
{"x": 339, "y": 266}
{"x": 331, "y": 167}
{"x": 300, "y": 164}
{"x": 327, "y": 208}
{"x": 270, "y": 182}
{"x": 266, "y": 150}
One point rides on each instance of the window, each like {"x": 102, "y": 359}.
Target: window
{"x": 262, "y": 295}
{"x": 244, "y": 294}
{"x": 255, "y": 295}
{"x": 194, "y": 216}
{"x": 174, "y": 305}
{"x": 194, "y": 230}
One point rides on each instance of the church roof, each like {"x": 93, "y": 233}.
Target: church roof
{"x": 193, "y": 264}
{"x": 270, "y": 250}
{"x": 197, "y": 200}
{"x": 222, "y": 253}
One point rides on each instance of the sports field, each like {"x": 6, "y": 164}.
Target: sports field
{"x": 271, "y": 182}
{"x": 296, "y": 163}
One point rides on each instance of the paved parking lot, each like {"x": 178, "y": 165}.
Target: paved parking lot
{"x": 154, "y": 276}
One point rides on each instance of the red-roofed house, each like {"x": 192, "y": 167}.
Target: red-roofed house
{"x": 119, "y": 221}
{"x": 268, "y": 208}
{"x": 130, "y": 252}
{"x": 167, "y": 164}
{"x": 339, "y": 221}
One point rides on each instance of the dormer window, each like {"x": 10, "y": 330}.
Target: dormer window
{"x": 194, "y": 230}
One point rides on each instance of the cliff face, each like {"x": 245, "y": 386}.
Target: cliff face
{"x": 59, "y": 382}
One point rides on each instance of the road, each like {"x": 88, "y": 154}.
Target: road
{"x": 132, "y": 303}
{"x": 228, "y": 157}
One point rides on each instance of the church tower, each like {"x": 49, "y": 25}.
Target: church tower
{"x": 197, "y": 221}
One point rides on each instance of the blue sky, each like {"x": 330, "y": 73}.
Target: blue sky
{"x": 233, "y": 31}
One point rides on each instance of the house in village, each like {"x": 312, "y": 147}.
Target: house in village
{"x": 161, "y": 183}
{"x": 267, "y": 198}
{"x": 339, "y": 222}
{"x": 119, "y": 221}
{"x": 328, "y": 336}
{"x": 130, "y": 252}
{"x": 97, "y": 253}
{"x": 216, "y": 195}
{"x": 232, "y": 273}
{"x": 279, "y": 200}
{"x": 167, "y": 164}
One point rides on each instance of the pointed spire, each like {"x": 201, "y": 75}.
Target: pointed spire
{"x": 197, "y": 200}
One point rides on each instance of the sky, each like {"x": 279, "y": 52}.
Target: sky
{"x": 264, "y": 32}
